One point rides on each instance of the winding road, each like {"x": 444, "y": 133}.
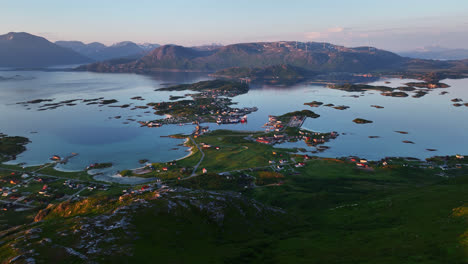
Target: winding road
{"x": 194, "y": 173}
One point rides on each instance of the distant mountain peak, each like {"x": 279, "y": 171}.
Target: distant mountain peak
{"x": 21, "y": 49}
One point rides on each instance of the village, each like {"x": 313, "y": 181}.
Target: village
{"x": 28, "y": 190}
{"x": 206, "y": 107}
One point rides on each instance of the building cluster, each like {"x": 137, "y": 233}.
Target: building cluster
{"x": 207, "y": 106}
{"x": 273, "y": 124}
{"x": 200, "y": 130}
{"x": 25, "y": 190}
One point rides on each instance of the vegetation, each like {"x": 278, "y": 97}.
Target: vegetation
{"x": 213, "y": 181}
{"x": 126, "y": 173}
{"x": 11, "y": 146}
{"x": 268, "y": 177}
{"x": 359, "y": 87}
{"x": 102, "y": 165}
{"x": 276, "y": 74}
{"x": 306, "y": 113}
{"x": 427, "y": 84}
{"x": 328, "y": 211}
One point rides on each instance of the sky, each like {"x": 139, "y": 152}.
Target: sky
{"x": 396, "y": 25}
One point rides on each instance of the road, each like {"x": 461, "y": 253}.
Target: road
{"x": 75, "y": 194}
{"x": 194, "y": 173}
{"x": 16, "y": 203}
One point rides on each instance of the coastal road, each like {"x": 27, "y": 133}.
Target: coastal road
{"x": 194, "y": 173}
{"x": 16, "y": 203}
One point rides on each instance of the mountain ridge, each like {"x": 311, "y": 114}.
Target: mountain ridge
{"x": 311, "y": 56}
{"x": 100, "y": 52}
{"x": 21, "y": 49}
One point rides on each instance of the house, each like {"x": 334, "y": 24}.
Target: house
{"x": 14, "y": 182}
{"x": 300, "y": 165}
{"x": 458, "y": 156}
{"x": 263, "y": 140}
{"x": 204, "y": 170}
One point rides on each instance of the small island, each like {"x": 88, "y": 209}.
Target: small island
{"x": 430, "y": 85}
{"x": 359, "y": 87}
{"x": 304, "y": 113}
{"x": 341, "y": 107}
{"x": 395, "y": 94}
{"x": 362, "y": 121}
{"x": 314, "y": 104}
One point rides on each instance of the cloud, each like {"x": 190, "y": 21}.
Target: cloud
{"x": 313, "y": 35}
{"x": 336, "y": 30}
{"x": 327, "y": 33}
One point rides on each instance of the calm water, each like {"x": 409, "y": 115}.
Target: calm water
{"x": 431, "y": 121}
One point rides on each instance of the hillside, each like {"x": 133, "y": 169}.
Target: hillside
{"x": 26, "y": 50}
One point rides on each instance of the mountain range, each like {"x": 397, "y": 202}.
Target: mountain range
{"x": 436, "y": 53}
{"x": 295, "y": 58}
{"x": 100, "y": 52}
{"x": 322, "y": 57}
{"x": 26, "y": 50}
{"x": 310, "y": 58}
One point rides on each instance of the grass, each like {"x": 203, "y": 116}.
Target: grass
{"x": 236, "y": 152}
{"x": 399, "y": 215}
{"x": 79, "y": 175}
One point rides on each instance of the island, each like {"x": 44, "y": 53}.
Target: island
{"x": 314, "y": 104}
{"x": 430, "y": 85}
{"x": 10, "y": 146}
{"x": 395, "y": 94}
{"x": 362, "y": 121}
{"x": 276, "y": 74}
{"x": 349, "y": 87}
{"x": 211, "y": 105}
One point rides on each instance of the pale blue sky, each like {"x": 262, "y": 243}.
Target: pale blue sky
{"x": 394, "y": 25}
